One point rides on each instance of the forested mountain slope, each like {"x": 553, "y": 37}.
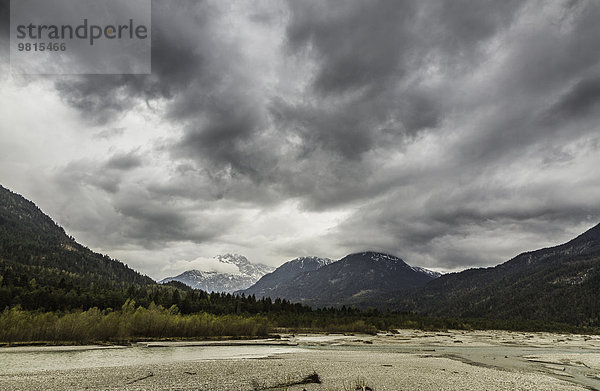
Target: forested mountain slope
{"x": 42, "y": 267}
{"x": 560, "y": 283}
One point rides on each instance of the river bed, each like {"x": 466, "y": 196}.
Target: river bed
{"x": 407, "y": 360}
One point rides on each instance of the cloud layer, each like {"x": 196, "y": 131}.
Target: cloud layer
{"x": 454, "y": 134}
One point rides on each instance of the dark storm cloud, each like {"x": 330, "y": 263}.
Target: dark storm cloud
{"x": 354, "y": 126}
{"x": 493, "y": 228}
{"x": 152, "y": 224}
{"x": 369, "y": 91}
{"x": 556, "y": 53}
{"x": 4, "y": 32}
{"x": 370, "y": 84}
{"x": 319, "y": 126}
{"x": 99, "y": 98}
{"x": 364, "y": 44}
{"x": 195, "y": 82}
{"x": 4, "y": 19}
{"x": 359, "y": 44}
{"x": 231, "y": 122}
{"x": 181, "y": 41}
{"x": 194, "y": 73}
{"x": 134, "y": 215}
{"x": 580, "y": 100}
{"x": 489, "y": 214}
{"x": 82, "y": 173}
{"x": 124, "y": 161}
{"x": 437, "y": 123}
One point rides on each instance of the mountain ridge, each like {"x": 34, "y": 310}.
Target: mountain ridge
{"x": 560, "y": 282}
{"x": 345, "y": 281}
{"x": 283, "y": 274}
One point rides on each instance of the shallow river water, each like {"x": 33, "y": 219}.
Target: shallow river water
{"x": 39, "y": 359}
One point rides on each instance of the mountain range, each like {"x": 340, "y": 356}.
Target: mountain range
{"x": 42, "y": 268}
{"x": 212, "y": 281}
{"x": 325, "y": 283}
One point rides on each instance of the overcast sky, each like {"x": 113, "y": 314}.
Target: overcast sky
{"x": 453, "y": 134}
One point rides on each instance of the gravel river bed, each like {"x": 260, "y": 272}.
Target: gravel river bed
{"x": 407, "y": 360}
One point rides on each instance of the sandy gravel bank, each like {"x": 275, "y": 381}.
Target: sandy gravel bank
{"x": 411, "y": 360}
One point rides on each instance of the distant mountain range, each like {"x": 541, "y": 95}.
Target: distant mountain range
{"x": 212, "y": 281}
{"x": 320, "y": 282}
{"x": 42, "y": 268}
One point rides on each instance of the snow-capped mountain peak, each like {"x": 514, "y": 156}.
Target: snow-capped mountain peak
{"x": 246, "y": 268}
{"x": 211, "y": 281}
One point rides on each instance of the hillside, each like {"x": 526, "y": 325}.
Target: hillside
{"x": 37, "y": 258}
{"x": 560, "y": 283}
{"x": 29, "y": 237}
